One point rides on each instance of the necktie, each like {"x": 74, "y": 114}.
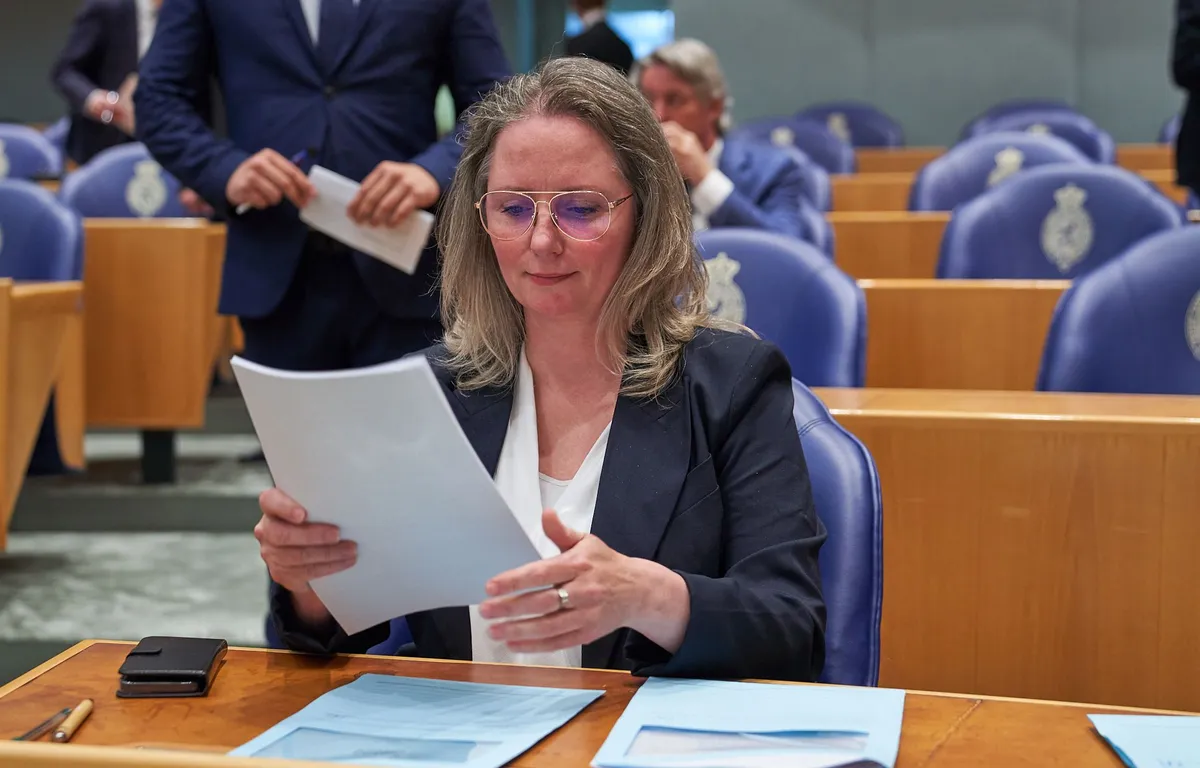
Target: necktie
{"x": 335, "y": 31}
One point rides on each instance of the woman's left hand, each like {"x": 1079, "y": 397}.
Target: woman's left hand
{"x": 605, "y": 592}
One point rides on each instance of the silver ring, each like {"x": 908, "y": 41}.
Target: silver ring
{"x": 564, "y": 599}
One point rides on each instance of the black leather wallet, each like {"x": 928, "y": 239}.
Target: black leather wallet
{"x": 171, "y": 667}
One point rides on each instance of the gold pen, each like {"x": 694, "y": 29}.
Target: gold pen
{"x": 73, "y": 721}
{"x": 45, "y": 726}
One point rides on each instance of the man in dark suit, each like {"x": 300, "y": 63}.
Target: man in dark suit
{"x": 93, "y": 72}
{"x": 1185, "y": 70}
{"x": 598, "y": 40}
{"x": 346, "y": 84}
{"x": 733, "y": 183}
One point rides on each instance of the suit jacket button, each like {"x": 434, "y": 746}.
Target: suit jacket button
{"x": 330, "y": 92}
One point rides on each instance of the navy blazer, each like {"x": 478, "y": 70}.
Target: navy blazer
{"x": 376, "y": 104}
{"x": 768, "y": 188}
{"x": 100, "y": 52}
{"x": 709, "y": 480}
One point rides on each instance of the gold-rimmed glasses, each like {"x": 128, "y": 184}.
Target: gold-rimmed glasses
{"x": 581, "y": 215}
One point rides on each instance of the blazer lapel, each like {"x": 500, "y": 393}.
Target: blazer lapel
{"x": 483, "y": 416}
{"x": 295, "y": 14}
{"x": 649, "y": 448}
{"x": 365, "y": 9}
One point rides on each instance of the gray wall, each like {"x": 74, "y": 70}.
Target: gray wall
{"x": 934, "y": 64}
{"x": 31, "y": 35}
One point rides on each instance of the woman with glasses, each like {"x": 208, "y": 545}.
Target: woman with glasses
{"x": 649, "y": 452}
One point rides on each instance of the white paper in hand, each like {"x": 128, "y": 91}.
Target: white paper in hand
{"x": 378, "y": 453}
{"x": 399, "y": 246}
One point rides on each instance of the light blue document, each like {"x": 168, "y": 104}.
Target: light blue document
{"x": 707, "y": 724}
{"x": 1152, "y": 741}
{"x": 403, "y": 721}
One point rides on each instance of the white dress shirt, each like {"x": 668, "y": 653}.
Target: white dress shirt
{"x": 712, "y": 191}
{"x": 527, "y": 493}
{"x": 312, "y": 15}
{"x": 147, "y": 19}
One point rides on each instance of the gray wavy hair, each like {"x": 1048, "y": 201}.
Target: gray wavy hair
{"x": 658, "y": 300}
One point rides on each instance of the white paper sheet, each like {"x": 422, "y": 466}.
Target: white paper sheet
{"x": 399, "y": 246}
{"x": 378, "y": 452}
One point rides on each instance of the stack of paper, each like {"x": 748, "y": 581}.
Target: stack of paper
{"x": 1145, "y": 741}
{"x": 707, "y": 724}
{"x": 384, "y": 720}
{"x": 377, "y": 451}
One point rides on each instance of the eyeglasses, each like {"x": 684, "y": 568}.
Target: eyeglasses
{"x": 580, "y": 215}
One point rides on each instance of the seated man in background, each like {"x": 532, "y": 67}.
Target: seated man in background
{"x": 732, "y": 183}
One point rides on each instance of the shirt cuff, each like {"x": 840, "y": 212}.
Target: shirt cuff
{"x": 711, "y": 193}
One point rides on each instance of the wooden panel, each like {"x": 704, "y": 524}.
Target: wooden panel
{"x": 1035, "y": 555}
{"x": 152, "y": 291}
{"x": 889, "y": 191}
{"x": 888, "y": 244}
{"x": 50, "y": 185}
{"x": 255, "y": 689}
{"x": 957, "y": 334}
{"x": 1146, "y": 157}
{"x": 871, "y": 192}
{"x": 70, "y": 395}
{"x": 898, "y": 160}
{"x": 35, "y": 319}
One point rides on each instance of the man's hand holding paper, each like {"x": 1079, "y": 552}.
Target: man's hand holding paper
{"x": 391, "y": 192}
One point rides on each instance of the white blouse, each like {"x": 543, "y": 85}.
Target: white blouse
{"x": 527, "y": 492}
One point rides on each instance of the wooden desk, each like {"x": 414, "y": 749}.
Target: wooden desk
{"x": 152, "y": 326}
{"x": 50, "y": 185}
{"x": 1037, "y": 544}
{"x": 887, "y": 244}
{"x": 958, "y": 334}
{"x": 1135, "y": 157}
{"x": 257, "y": 689}
{"x": 36, "y": 325}
{"x": 889, "y": 191}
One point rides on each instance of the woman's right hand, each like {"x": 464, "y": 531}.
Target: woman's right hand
{"x": 296, "y": 551}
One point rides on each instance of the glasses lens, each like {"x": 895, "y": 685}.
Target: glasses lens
{"x": 582, "y": 215}
{"x": 507, "y": 214}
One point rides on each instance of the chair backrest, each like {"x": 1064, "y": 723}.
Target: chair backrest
{"x": 1072, "y": 127}
{"x": 1009, "y": 107}
{"x": 845, "y": 488}
{"x": 817, "y": 187}
{"x": 1132, "y": 325}
{"x": 809, "y": 136}
{"x": 1170, "y": 130}
{"x": 792, "y": 294}
{"x": 123, "y": 182}
{"x": 1053, "y": 222}
{"x": 863, "y": 125}
{"x": 817, "y": 229}
{"x": 26, "y": 153}
{"x": 56, "y": 133}
{"x": 974, "y": 166}
{"x": 40, "y": 239}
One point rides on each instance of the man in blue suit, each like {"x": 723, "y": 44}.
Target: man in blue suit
{"x": 349, "y": 85}
{"x": 733, "y": 183}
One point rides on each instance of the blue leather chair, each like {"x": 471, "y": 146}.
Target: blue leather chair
{"x": 56, "y": 134}
{"x": 817, "y": 187}
{"x": 1170, "y": 130}
{"x": 809, "y": 136}
{"x": 791, "y": 293}
{"x": 861, "y": 124}
{"x": 1072, "y": 127}
{"x": 1132, "y": 325}
{"x": 123, "y": 182}
{"x": 1009, "y": 107}
{"x": 817, "y": 229}
{"x": 845, "y": 489}
{"x": 1053, "y": 222}
{"x": 26, "y": 153}
{"x": 974, "y": 166}
{"x": 42, "y": 240}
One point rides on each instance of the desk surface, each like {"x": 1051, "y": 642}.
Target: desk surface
{"x": 256, "y": 689}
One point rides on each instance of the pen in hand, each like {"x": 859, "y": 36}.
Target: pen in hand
{"x": 295, "y": 160}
